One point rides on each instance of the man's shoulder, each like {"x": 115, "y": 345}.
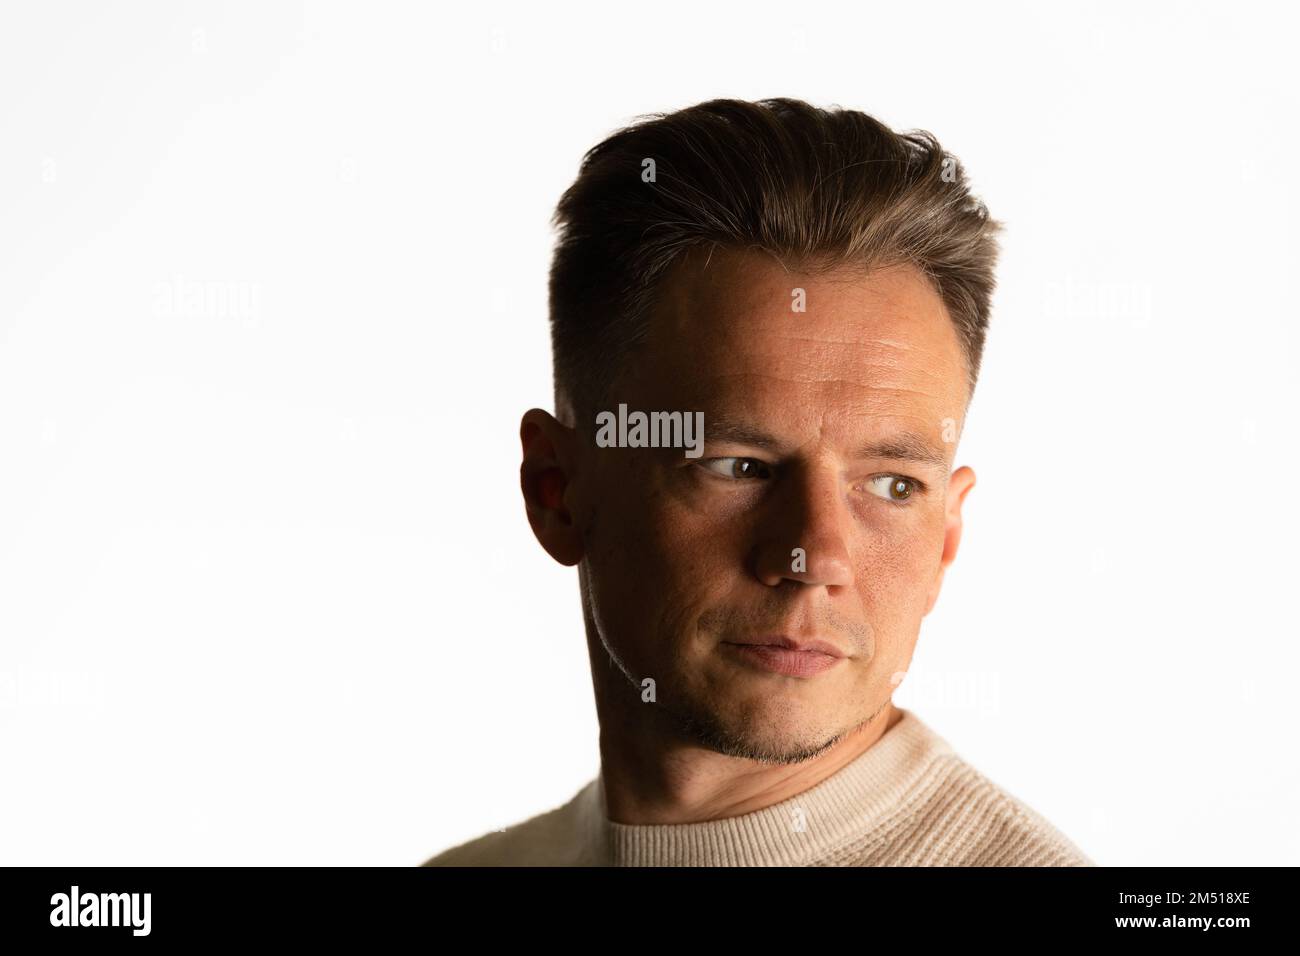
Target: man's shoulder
{"x": 558, "y": 837}
{"x": 954, "y": 815}
{"x": 951, "y": 814}
{"x": 1011, "y": 833}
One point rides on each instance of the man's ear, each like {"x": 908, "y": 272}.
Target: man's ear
{"x": 959, "y": 485}
{"x": 546, "y": 478}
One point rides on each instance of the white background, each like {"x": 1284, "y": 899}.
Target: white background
{"x": 272, "y": 300}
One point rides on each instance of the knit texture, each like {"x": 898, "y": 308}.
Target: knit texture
{"x": 908, "y": 800}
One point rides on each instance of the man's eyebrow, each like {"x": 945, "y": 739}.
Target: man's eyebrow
{"x": 738, "y": 433}
{"x": 903, "y": 446}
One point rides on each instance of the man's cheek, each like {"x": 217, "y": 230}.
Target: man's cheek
{"x": 905, "y": 550}
{"x": 893, "y": 588}
{"x": 672, "y": 543}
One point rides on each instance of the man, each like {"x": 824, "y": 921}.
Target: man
{"x": 813, "y": 290}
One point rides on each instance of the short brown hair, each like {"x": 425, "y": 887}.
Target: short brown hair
{"x": 817, "y": 188}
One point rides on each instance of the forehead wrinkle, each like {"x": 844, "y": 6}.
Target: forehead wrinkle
{"x": 874, "y": 387}
{"x": 870, "y": 353}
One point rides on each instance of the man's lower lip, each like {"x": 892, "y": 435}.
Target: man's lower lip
{"x": 782, "y": 660}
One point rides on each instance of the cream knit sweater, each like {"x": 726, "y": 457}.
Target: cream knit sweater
{"x": 908, "y": 800}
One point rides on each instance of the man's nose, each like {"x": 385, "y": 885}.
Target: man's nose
{"x": 805, "y": 536}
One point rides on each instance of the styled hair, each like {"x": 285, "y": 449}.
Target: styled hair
{"x": 820, "y": 189}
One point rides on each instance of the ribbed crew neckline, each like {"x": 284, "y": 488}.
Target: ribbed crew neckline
{"x": 841, "y": 809}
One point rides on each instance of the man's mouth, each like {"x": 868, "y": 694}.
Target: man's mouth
{"x": 787, "y": 656}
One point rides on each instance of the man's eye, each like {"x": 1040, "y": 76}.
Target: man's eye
{"x": 737, "y": 467}
{"x": 896, "y": 488}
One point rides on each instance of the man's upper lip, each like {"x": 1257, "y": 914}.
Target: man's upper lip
{"x": 792, "y": 644}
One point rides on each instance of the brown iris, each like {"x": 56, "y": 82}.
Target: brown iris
{"x": 900, "y": 489}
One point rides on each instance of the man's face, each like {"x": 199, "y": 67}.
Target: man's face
{"x": 689, "y": 564}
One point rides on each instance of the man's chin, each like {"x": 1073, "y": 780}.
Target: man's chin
{"x": 762, "y": 738}
{"x": 780, "y": 750}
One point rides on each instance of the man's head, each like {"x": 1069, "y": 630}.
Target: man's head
{"x": 818, "y": 287}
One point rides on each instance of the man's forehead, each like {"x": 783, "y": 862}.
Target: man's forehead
{"x": 751, "y": 279}
{"x": 742, "y": 313}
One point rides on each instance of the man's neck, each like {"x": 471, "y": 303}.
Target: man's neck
{"x": 650, "y": 778}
